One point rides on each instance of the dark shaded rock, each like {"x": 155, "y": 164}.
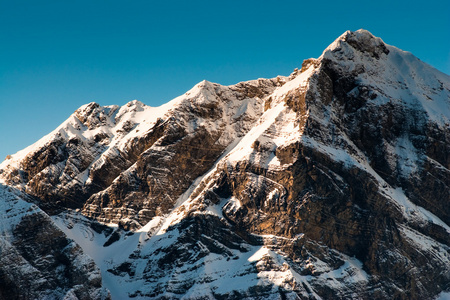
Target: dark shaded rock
{"x": 38, "y": 261}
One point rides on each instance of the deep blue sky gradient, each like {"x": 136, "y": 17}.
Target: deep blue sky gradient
{"x": 58, "y": 55}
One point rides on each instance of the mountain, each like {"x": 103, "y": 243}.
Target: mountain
{"x": 330, "y": 183}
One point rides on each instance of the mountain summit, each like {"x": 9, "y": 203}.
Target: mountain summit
{"x": 330, "y": 183}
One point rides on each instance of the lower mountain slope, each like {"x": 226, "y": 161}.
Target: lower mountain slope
{"x": 37, "y": 260}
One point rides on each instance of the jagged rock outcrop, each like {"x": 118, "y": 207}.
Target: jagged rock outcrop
{"x": 37, "y": 260}
{"x": 200, "y": 127}
{"x": 331, "y": 183}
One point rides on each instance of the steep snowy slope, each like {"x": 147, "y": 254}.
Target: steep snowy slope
{"x": 331, "y": 183}
{"x": 37, "y": 260}
{"x": 89, "y": 152}
{"x": 84, "y": 154}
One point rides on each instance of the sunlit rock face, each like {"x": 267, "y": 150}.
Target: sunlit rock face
{"x": 330, "y": 183}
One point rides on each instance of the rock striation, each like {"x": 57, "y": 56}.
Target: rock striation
{"x": 37, "y": 259}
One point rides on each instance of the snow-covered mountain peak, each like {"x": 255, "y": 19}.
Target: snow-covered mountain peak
{"x": 93, "y": 115}
{"x": 359, "y": 59}
{"x": 361, "y": 41}
{"x": 203, "y": 93}
{"x": 135, "y": 103}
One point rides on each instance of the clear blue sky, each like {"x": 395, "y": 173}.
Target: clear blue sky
{"x": 58, "y": 55}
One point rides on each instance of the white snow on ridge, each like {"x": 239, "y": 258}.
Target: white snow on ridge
{"x": 427, "y": 244}
{"x": 278, "y": 113}
{"x": 423, "y": 86}
{"x": 12, "y": 209}
{"x": 244, "y": 147}
{"x": 115, "y": 122}
{"x": 397, "y": 75}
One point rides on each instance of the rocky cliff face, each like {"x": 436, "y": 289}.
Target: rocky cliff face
{"x": 37, "y": 260}
{"x": 330, "y": 183}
